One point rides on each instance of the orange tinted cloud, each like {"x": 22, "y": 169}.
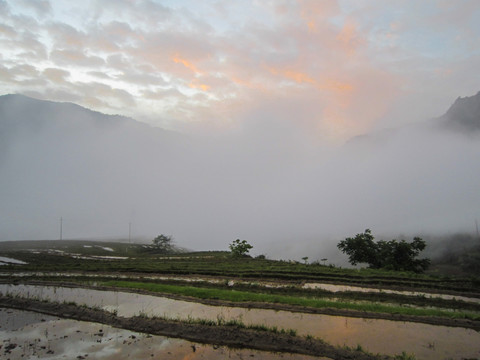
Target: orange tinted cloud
{"x": 313, "y": 12}
{"x": 177, "y": 59}
{"x": 296, "y": 76}
{"x": 337, "y": 86}
{"x": 196, "y": 85}
{"x": 348, "y": 38}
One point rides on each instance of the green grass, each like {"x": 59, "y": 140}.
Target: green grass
{"x": 233, "y": 323}
{"x": 405, "y": 356}
{"x": 244, "y": 296}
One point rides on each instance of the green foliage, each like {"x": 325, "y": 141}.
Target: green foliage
{"x": 240, "y": 248}
{"x": 163, "y": 243}
{"x": 405, "y": 356}
{"x": 391, "y": 255}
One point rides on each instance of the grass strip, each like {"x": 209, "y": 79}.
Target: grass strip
{"x": 244, "y": 296}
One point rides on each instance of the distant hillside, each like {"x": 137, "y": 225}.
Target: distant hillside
{"x": 21, "y": 115}
{"x": 464, "y": 114}
{"x": 60, "y": 159}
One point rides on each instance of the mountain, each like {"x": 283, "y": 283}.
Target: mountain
{"x": 21, "y": 115}
{"x": 60, "y": 159}
{"x": 463, "y": 115}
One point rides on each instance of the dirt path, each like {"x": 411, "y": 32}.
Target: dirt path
{"x": 231, "y": 336}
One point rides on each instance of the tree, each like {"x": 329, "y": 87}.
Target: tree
{"x": 393, "y": 254}
{"x": 163, "y": 243}
{"x": 240, "y": 248}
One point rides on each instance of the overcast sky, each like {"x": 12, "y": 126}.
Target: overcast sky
{"x": 334, "y": 68}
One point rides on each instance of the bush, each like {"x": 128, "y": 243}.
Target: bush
{"x": 163, "y": 243}
{"x": 240, "y": 248}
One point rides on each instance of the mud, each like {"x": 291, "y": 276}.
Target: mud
{"x": 231, "y": 336}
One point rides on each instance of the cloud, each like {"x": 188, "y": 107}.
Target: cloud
{"x": 41, "y": 7}
{"x": 76, "y": 58}
{"x": 58, "y": 76}
{"x": 354, "y": 64}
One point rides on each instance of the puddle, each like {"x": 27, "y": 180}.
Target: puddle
{"x": 343, "y": 288}
{"x": 376, "y": 336}
{"x": 56, "y": 338}
{"x": 114, "y": 276}
{"x": 10, "y": 321}
{"x": 6, "y": 261}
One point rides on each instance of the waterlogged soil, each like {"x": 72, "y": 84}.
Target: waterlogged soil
{"x": 25, "y": 335}
{"x": 377, "y": 336}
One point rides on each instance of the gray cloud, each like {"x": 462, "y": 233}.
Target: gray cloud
{"x": 58, "y": 76}
{"x": 76, "y": 58}
{"x": 41, "y": 7}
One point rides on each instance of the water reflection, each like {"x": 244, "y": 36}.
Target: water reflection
{"x": 343, "y": 288}
{"x": 377, "y": 336}
{"x": 70, "y": 339}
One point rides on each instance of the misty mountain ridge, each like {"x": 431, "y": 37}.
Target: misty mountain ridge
{"x": 23, "y": 112}
{"x": 463, "y": 117}
{"x": 18, "y": 104}
{"x": 464, "y": 114}
{"x": 103, "y": 172}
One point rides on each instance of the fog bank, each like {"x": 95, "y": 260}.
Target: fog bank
{"x": 270, "y": 182}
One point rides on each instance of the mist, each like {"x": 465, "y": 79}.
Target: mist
{"x": 270, "y": 181}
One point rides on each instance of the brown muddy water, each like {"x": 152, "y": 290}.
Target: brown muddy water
{"x": 376, "y": 336}
{"x": 28, "y": 335}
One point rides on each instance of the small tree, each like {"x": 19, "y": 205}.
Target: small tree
{"x": 360, "y": 249}
{"x": 163, "y": 243}
{"x": 240, "y": 248}
{"x": 393, "y": 254}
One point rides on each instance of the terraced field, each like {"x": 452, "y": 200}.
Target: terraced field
{"x": 257, "y": 304}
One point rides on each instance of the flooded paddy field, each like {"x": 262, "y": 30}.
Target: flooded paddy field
{"x": 348, "y": 288}
{"x": 375, "y": 336}
{"x": 27, "y": 335}
{"x": 231, "y": 282}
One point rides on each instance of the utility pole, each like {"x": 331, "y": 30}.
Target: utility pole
{"x": 129, "y": 232}
{"x": 61, "y": 228}
{"x": 476, "y": 226}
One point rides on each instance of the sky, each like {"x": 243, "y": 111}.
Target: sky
{"x": 328, "y": 69}
{"x": 265, "y": 101}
